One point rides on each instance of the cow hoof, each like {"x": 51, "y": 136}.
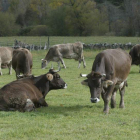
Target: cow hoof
{"x": 121, "y": 106}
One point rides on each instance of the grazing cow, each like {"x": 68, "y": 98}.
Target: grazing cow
{"x": 135, "y": 55}
{"x": 6, "y": 54}
{"x": 60, "y": 51}
{"x": 109, "y": 73}
{"x": 22, "y": 62}
{"x": 29, "y": 93}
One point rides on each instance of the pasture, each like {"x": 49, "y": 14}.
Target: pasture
{"x": 70, "y": 114}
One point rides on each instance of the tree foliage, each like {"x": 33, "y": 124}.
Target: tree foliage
{"x": 71, "y": 17}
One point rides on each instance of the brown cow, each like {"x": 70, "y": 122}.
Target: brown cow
{"x": 22, "y": 62}
{"x": 6, "y": 54}
{"x": 109, "y": 73}
{"x": 29, "y": 93}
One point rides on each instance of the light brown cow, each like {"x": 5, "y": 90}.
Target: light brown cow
{"x": 69, "y": 51}
{"x": 6, "y": 54}
{"x": 109, "y": 74}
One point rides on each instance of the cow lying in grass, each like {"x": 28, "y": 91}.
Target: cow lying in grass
{"x": 29, "y": 93}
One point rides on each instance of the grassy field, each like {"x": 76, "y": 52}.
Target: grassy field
{"x": 71, "y": 115}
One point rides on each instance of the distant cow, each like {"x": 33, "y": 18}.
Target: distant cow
{"x": 135, "y": 54}
{"x": 22, "y": 62}
{"x": 109, "y": 73}
{"x": 70, "y": 51}
{"x": 6, "y": 54}
{"x": 29, "y": 93}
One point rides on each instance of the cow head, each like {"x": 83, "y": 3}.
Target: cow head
{"x": 44, "y": 63}
{"x": 56, "y": 81}
{"x": 96, "y": 82}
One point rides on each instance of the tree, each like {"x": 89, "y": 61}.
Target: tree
{"x": 7, "y": 25}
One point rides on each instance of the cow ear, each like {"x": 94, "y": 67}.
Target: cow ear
{"x": 49, "y": 77}
{"x": 85, "y": 82}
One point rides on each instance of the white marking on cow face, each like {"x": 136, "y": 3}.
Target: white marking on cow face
{"x": 94, "y": 100}
{"x": 107, "y": 83}
{"x": 65, "y": 86}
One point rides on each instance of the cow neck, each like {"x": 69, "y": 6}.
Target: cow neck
{"x": 42, "y": 83}
{"x": 99, "y": 66}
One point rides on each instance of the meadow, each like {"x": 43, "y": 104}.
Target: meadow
{"x": 70, "y": 114}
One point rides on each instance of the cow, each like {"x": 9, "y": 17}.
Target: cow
{"x": 135, "y": 55}
{"x": 70, "y": 51}
{"x": 6, "y": 54}
{"x": 28, "y": 93}
{"x": 109, "y": 73}
{"x": 22, "y": 62}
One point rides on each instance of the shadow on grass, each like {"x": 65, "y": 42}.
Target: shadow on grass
{"x": 66, "y": 110}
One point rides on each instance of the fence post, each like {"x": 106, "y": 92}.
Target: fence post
{"x": 48, "y": 42}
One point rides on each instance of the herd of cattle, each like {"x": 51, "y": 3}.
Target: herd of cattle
{"x": 108, "y": 75}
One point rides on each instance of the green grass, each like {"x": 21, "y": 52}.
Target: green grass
{"x": 70, "y": 115}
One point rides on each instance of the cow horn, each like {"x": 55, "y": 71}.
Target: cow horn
{"x": 54, "y": 71}
{"x": 51, "y": 66}
{"x": 57, "y": 70}
{"x": 19, "y": 76}
{"x": 83, "y": 75}
{"x": 103, "y": 75}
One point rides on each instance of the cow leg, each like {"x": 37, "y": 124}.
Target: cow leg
{"x": 106, "y": 98}
{"x": 62, "y": 61}
{"x": 10, "y": 67}
{"x": 17, "y": 73}
{"x": 84, "y": 63}
{"x": 0, "y": 69}
{"x": 79, "y": 63}
{"x": 42, "y": 102}
{"x": 58, "y": 64}
{"x": 122, "y": 91}
{"x": 29, "y": 106}
{"x": 113, "y": 99}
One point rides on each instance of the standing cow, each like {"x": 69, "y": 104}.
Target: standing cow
{"x": 109, "y": 73}
{"x": 70, "y": 51}
{"x": 135, "y": 55}
{"x": 6, "y": 54}
{"x": 29, "y": 93}
{"x": 22, "y": 62}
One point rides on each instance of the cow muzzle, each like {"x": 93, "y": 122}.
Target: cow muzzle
{"x": 94, "y": 100}
{"x": 65, "y": 86}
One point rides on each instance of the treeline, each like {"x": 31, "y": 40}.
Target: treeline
{"x": 69, "y": 17}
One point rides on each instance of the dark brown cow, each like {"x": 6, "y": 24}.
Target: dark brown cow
{"x": 109, "y": 73}
{"x": 135, "y": 54}
{"x": 69, "y": 51}
{"x": 6, "y": 54}
{"x": 28, "y": 93}
{"x": 22, "y": 62}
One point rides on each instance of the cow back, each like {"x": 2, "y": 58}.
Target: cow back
{"x": 6, "y": 54}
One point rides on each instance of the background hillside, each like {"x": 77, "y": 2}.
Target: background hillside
{"x": 69, "y": 17}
